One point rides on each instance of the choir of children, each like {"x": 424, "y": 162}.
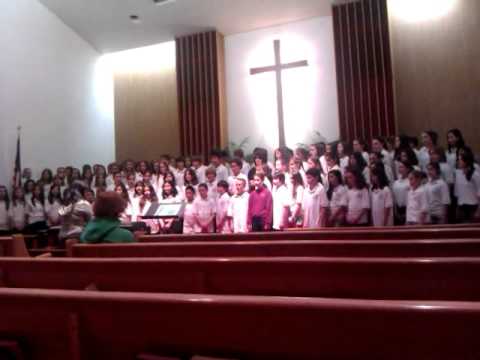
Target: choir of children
{"x": 337, "y": 184}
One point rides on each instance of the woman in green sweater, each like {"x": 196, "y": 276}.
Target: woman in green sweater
{"x": 105, "y": 227}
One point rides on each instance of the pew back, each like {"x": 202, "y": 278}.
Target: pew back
{"x": 361, "y": 278}
{"x": 345, "y": 248}
{"x": 89, "y": 325}
{"x": 13, "y": 246}
{"x": 328, "y": 234}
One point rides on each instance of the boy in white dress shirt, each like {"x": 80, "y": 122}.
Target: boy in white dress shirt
{"x": 216, "y": 163}
{"x": 281, "y": 202}
{"x": 417, "y": 201}
{"x": 200, "y": 169}
{"x": 236, "y": 172}
{"x": 238, "y": 153}
{"x": 238, "y": 209}
{"x": 438, "y": 195}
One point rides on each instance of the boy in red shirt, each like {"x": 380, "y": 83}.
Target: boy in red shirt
{"x": 260, "y": 206}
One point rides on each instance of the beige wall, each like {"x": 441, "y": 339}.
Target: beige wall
{"x": 437, "y": 72}
{"x": 146, "y": 115}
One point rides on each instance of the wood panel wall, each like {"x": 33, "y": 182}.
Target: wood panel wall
{"x": 437, "y": 72}
{"x": 146, "y": 114}
{"x": 364, "y": 71}
{"x": 201, "y": 92}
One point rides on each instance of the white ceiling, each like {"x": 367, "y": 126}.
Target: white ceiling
{"x": 106, "y": 25}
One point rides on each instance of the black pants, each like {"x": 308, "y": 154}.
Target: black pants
{"x": 258, "y": 224}
{"x": 452, "y": 208}
{"x": 400, "y": 215}
{"x": 435, "y": 220}
{"x": 466, "y": 213}
{"x": 36, "y": 227}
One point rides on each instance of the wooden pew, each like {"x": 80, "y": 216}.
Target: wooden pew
{"x": 91, "y": 325}
{"x": 361, "y": 278}
{"x": 327, "y": 234}
{"x": 5, "y": 244}
{"x": 346, "y": 248}
{"x": 407, "y": 227}
{"x": 13, "y": 246}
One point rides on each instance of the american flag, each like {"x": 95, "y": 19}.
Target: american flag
{"x": 17, "y": 174}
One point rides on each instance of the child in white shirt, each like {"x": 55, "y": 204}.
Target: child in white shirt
{"x": 417, "y": 201}
{"x": 148, "y": 198}
{"x": 189, "y": 212}
{"x": 447, "y": 173}
{"x": 17, "y": 211}
{"x": 342, "y": 155}
{"x": 429, "y": 139}
{"x": 222, "y": 205}
{"x": 238, "y": 153}
{"x": 215, "y": 162}
{"x": 296, "y": 191}
{"x": 53, "y": 205}
{"x": 281, "y": 202}
{"x": 332, "y": 165}
{"x": 179, "y": 171}
{"x": 381, "y": 199}
{"x": 36, "y": 216}
{"x": 236, "y": 171}
{"x": 204, "y": 211}
{"x": 400, "y": 189}
{"x": 467, "y": 188}
{"x": 438, "y": 195}
{"x": 130, "y": 185}
{"x": 359, "y": 146}
{"x": 337, "y": 197}
{"x": 170, "y": 195}
{"x": 189, "y": 179}
{"x": 238, "y": 209}
{"x": 211, "y": 183}
{"x": 126, "y": 216}
{"x": 358, "y": 199}
{"x": 199, "y": 168}
{"x": 315, "y": 202}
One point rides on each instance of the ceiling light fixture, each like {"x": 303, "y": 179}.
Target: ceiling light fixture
{"x": 135, "y": 19}
{"x": 162, "y": 2}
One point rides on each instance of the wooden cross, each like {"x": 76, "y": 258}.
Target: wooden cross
{"x": 278, "y": 68}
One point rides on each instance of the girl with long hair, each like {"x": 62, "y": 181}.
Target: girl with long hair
{"x": 337, "y": 198}
{"x": 381, "y": 198}
{"x": 358, "y": 199}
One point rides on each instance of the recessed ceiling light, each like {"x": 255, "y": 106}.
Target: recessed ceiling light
{"x": 162, "y": 2}
{"x": 135, "y": 18}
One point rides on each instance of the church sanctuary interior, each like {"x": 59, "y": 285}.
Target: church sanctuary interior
{"x": 239, "y": 180}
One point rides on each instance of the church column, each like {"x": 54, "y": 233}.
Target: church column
{"x": 201, "y": 92}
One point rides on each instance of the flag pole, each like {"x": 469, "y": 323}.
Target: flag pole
{"x": 17, "y": 177}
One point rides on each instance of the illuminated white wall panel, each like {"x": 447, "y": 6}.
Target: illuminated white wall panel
{"x": 421, "y": 10}
{"x": 309, "y": 93}
{"x": 52, "y": 86}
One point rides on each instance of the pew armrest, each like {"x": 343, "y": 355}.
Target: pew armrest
{"x": 42, "y": 256}
{"x": 69, "y": 243}
{"x": 19, "y": 249}
{"x": 138, "y": 234}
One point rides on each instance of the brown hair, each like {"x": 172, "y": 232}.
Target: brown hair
{"x": 109, "y": 204}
